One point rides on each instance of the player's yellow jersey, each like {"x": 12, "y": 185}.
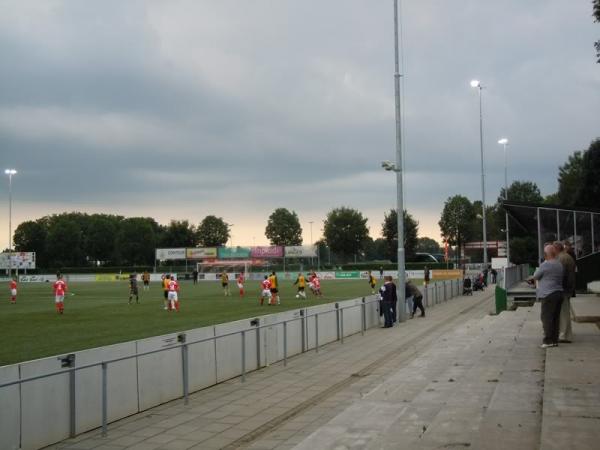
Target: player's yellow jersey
{"x": 372, "y": 280}
{"x": 273, "y": 280}
{"x": 224, "y": 278}
{"x": 166, "y": 284}
{"x": 301, "y": 281}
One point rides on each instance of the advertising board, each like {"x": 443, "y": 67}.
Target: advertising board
{"x": 201, "y": 253}
{"x": 273, "y": 251}
{"x": 18, "y": 260}
{"x": 301, "y": 251}
{"x": 164, "y": 254}
{"x": 233, "y": 252}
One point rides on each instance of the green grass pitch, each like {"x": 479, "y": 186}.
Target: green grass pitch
{"x": 98, "y": 313}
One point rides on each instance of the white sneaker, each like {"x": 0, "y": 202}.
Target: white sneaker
{"x": 546, "y": 345}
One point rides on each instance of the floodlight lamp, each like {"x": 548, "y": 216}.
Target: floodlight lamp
{"x": 10, "y": 172}
{"x": 475, "y": 83}
{"x": 503, "y": 141}
{"x": 388, "y": 165}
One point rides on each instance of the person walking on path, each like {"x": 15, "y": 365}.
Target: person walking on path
{"x": 417, "y": 298}
{"x": 388, "y": 298}
{"x": 549, "y": 290}
{"x": 565, "y": 334}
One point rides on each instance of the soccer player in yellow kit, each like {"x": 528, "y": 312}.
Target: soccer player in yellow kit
{"x": 372, "y": 282}
{"x": 225, "y": 283}
{"x": 274, "y": 289}
{"x": 165, "y": 285}
{"x": 301, "y": 282}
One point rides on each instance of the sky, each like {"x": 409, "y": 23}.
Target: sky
{"x": 180, "y": 109}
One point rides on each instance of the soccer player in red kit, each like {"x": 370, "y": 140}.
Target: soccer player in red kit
{"x": 173, "y": 295}
{"x": 317, "y": 286}
{"x": 265, "y": 291}
{"x": 240, "y": 284}
{"x": 60, "y": 289}
{"x": 13, "y": 290}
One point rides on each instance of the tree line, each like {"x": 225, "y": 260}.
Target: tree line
{"x": 78, "y": 239}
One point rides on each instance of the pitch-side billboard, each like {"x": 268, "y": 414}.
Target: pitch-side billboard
{"x": 165, "y": 254}
{"x": 273, "y": 251}
{"x": 201, "y": 253}
{"x": 301, "y": 251}
{"x": 19, "y": 260}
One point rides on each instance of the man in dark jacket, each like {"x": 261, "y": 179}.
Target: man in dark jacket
{"x": 388, "y": 299}
{"x": 417, "y": 298}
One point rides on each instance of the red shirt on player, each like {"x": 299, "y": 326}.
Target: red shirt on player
{"x": 240, "y": 279}
{"x": 266, "y": 284}
{"x": 173, "y": 286}
{"x": 12, "y": 285}
{"x": 60, "y": 287}
{"x": 316, "y": 283}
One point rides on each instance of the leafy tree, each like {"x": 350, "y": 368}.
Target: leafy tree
{"x": 30, "y": 236}
{"x": 522, "y": 191}
{"x": 65, "y": 240}
{"x": 428, "y": 245}
{"x": 552, "y": 199}
{"x": 456, "y": 222}
{"x": 389, "y": 230}
{"x": 100, "y": 237}
{"x": 376, "y": 250}
{"x": 345, "y": 231}
{"x": 213, "y": 232}
{"x": 588, "y": 190}
{"x": 570, "y": 176}
{"x": 137, "y": 240}
{"x": 179, "y": 233}
{"x": 283, "y": 228}
{"x": 523, "y": 249}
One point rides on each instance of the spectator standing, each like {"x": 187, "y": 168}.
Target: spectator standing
{"x": 549, "y": 290}
{"x": 195, "y": 276}
{"x": 426, "y": 276}
{"x": 388, "y": 298}
{"x": 565, "y": 334}
{"x": 417, "y": 298}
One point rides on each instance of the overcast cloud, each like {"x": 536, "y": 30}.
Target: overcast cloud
{"x": 235, "y": 108}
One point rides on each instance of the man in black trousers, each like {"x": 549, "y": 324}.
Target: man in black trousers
{"x": 417, "y": 298}
{"x": 388, "y": 299}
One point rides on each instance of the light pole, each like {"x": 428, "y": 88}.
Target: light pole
{"x": 311, "y": 242}
{"x": 10, "y": 173}
{"x": 504, "y": 143}
{"x": 477, "y": 84}
{"x": 397, "y": 167}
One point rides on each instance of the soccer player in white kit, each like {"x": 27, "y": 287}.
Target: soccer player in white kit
{"x": 172, "y": 296}
{"x": 265, "y": 292}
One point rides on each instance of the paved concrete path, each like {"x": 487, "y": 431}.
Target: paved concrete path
{"x": 586, "y": 308}
{"x": 572, "y": 392}
{"x": 278, "y": 407}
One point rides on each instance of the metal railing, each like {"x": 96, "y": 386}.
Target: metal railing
{"x": 433, "y": 294}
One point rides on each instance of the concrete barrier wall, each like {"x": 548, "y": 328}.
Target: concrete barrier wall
{"x": 202, "y": 360}
{"x": 229, "y": 349}
{"x": 159, "y": 374}
{"x": 122, "y": 386}
{"x": 273, "y": 335}
{"x": 328, "y": 323}
{"x": 352, "y": 316}
{"x": 372, "y": 312}
{"x": 10, "y": 409}
{"x": 45, "y": 407}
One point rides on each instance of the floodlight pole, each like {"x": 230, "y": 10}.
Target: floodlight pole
{"x": 10, "y": 173}
{"x": 504, "y": 143}
{"x": 477, "y": 84}
{"x": 399, "y": 182}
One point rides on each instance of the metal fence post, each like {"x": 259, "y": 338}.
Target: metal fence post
{"x": 104, "y": 400}
{"x": 185, "y": 373}
{"x": 363, "y": 311}
{"x": 243, "y": 356}
{"x": 303, "y": 324}
{"x": 337, "y": 320}
{"x": 341, "y": 325}
{"x": 426, "y": 296}
{"x": 72, "y": 405}
{"x": 317, "y": 332}
{"x": 285, "y": 343}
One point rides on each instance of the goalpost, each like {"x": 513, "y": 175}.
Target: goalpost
{"x": 216, "y": 267}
